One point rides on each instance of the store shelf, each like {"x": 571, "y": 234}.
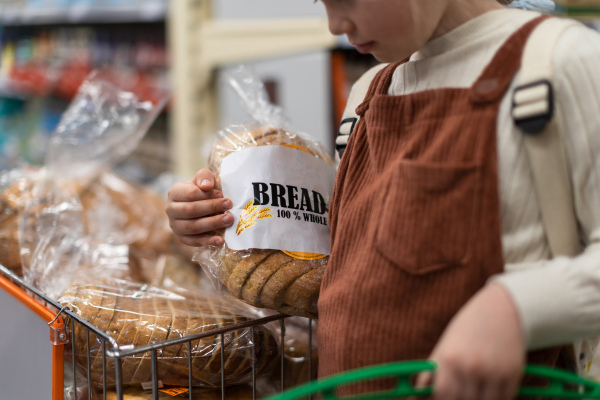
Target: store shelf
{"x": 80, "y": 13}
{"x": 80, "y": 35}
{"x": 200, "y": 45}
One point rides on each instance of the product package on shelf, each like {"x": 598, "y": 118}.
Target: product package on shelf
{"x": 280, "y": 183}
{"x": 139, "y": 315}
{"x": 72, "y": 215}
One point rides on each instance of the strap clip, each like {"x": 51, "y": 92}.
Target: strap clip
{"x": 533, "y": 106}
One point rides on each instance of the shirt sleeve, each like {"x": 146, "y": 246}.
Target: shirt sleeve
{"x": 559, "y": 300}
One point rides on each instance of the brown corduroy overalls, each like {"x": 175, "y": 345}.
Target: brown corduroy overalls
{"x": 415, "y": 218}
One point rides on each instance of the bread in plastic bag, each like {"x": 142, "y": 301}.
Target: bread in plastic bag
{"x": 55, "y": 233}
{"x": 114, "y": 212}
{"x": 138, "y": 315}
{"x": 285, "y": 280}
{"x": 300, "y": 354}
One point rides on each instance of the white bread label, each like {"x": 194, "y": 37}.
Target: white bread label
{"x": 280, "y": 199}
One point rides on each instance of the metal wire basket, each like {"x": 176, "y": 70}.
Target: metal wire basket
{"x": 62, "y": 322}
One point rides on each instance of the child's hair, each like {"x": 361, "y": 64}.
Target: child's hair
{"x": 504, "y": 1}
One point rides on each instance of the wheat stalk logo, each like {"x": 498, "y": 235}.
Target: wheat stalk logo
{"x": 249, "y": 216}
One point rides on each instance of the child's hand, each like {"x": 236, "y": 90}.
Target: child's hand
{"x": 481, "y": 354}
{"x": 196, "y": 210}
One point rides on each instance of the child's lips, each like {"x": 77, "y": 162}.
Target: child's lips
{"x": 364, "y": 47}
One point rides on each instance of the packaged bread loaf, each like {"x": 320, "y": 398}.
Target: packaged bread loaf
{"x": 100, "y": 127}
{"x": 126, "y": 212}
{"x": 137, "y": 315}
{"x": 280, "y": 182}
{"x": 113, "y": 211}
{"x": 20, "y": 195}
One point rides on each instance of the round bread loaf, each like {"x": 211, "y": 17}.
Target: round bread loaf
{"x": 140, "y": 315}
{"x": 10, "y": 256}
{"x": 115, "y": 211}
{"x": 136, "y": 214}
{"x": 269, "y": 278}
{"x": 13, "y": 198}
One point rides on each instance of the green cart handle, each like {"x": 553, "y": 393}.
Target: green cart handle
{"x": 561, "y": 384}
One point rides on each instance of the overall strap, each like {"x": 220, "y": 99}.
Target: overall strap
{"x": 497, "y": 76}
{"x": 533, "y": 112}
{"x": 365, "y": 93}
{"x": 379, "y": 86}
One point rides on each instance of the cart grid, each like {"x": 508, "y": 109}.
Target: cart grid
{"x": 61, "y": 318}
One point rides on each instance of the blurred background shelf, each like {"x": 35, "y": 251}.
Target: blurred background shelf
{"x": 39, "y": 13}
{"x": 47, "y": 47}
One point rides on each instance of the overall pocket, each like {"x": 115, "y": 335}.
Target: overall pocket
{"x": 427, "y": 215}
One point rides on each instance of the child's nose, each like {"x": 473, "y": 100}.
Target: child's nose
{"x": 339, "y": 24}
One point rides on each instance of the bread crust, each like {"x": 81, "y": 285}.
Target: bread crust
{"x": 160, "y": 331}
{"x": 142, "y": 321}
{"x": 244, "y": 268}
{"x": 254, "y": 285}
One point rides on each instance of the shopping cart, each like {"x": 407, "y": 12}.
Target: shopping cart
{"x": 560, "y": 384}
{"x": 62, "y": 320}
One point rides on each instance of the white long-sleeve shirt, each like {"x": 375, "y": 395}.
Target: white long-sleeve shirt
{"x": 558, "y": 299}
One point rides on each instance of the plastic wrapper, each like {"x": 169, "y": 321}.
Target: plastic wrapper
{"x": 137, "y": 315}
{"x": 300, "y": 356}
{"x": 120, "y": 212}
{"x": 123, "y": 224}
{"x": 15, "y": 189}
{"x": 178, "y": 272}
{"x": 72, "y": 214}
{"x": 283, "y": 279}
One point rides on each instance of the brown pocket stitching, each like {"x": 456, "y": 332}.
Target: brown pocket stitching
{"x": 428, "y": 179}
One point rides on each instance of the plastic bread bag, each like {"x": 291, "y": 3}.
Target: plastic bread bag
{"x": 80, "y": 389}
{"x": 15, "y": 188}
{"x": 280, "y": 183}
{"x": 101, "y": 126}
{"x": 137, "y": 315}
{"x": 118, "y": 211}
{"x": 301, "y": 356}
{"x": 178, "y": 272}
{"x": 22, "y": 195}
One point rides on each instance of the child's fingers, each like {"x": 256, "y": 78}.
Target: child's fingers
{"x": 204, "y": 179}
{"x": 197, "y": 226}
{"x": 424, "y": 379}
{"x": 201, "y": 240}
{"x": 197, "y": 209}
{"x": 188, "y": 191}
{"x": 448, "y": 385}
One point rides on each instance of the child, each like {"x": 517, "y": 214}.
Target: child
{"x": 437, "y": 244}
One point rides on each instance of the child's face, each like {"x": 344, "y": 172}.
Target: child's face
{"x": 391, "y": 30}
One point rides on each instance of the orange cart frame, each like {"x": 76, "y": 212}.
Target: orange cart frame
{"x": 61, "y": 318}
{"x": 58, "y": 336}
